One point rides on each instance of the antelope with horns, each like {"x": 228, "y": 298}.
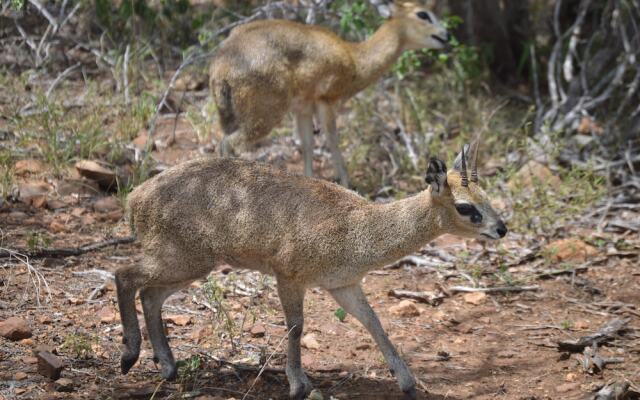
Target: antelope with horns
{"x": 306, "y": 232}
{"x": 266, "y": 68}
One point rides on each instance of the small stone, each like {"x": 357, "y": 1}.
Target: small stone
{"x": 69, "y": 187}
{"x": 475, "y": 298}
{"x": 106, "y": 204}
{"x": 105, "y": 177}
{"x": 88, "y": 219}
{"x": 258, "y": 330}
{"x": 190, "y": 81}
{"x": 19, "y": 376}
{"x": 33, "y": 192}
{"x": 569, "y": 250}
{"x": 363, "y": 346}
{"x": 507, "y": 354}
{"x": 14, "y": 328}
{"x": 534, "y": 174}
{"x": 107, "y": 315}
{"x": 49, "y": 365}
{"x": 55, "y": 204}
{"x": 43, "y": 347}
{"x": 57, "y": 227}
{"x": 309, "y": 341}
{"x": 315, "y": 395}
{"x": 141, "y": 142}
{"x": 115, "y": 215}
{"x": 29, "y": 166}
{"x": 581, "y": 324}
{"x": 571, "y": 377}
{"x": 567, "y": 387}
{"x": 64, "y": 385}
{"x": 180, "y": 320}
{"x": 406, "y": 308}
{"x": 29, "y": 360}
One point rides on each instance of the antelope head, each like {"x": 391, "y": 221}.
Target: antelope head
{"x": 421, "y": 29}
{"x": 468, "y": 210}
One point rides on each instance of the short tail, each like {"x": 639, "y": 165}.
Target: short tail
{"x": 224, "y": 97}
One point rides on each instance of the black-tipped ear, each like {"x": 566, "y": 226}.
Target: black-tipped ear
{"x": 436, "y": 176}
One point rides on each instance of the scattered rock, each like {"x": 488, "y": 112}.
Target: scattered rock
{"x": 475, "y": 298}
{"x": 140, "y": 142}
{"x": 581, "y": 324}
{"x": 565, "y": 250}
{"x": 507, "y": 354}
{"x": 114, "y": 216}
{"x": 29, "y": 166}
{"x": 309, "y": 341}
{"x": 55, "y": 204}
{"x": 567, "y": 387}
{"x": 363, "y": 346}
{"x": 49, "y": 365}
{"x": 258, "y": 330}
{"x": 34, "y": 192}
{"x": 315, "y": 395}
{"x": 190, "y": 81}
{"x": 106, "y": 204}
{"x": 57, "y": 227}
{"x": 406, "y": 308}
{"x": 70, "y": 187}
{"x": 14, "y": 328}
{"x": 43, "y": 348}
{"x": 180, "y": 320}
{"x": 534, "y": 174}
{"x": 64, "y": 385}
{"x": 30, "y": 360}
{"x": 571, "y": 377}
{"x": 16, "y": 217}
{"x": 19, "y": 376}
{"x": 105, "y": 177}
{"x": 107, "y": 315}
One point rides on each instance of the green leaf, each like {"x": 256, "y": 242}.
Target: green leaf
{"x": 341, "y": 314}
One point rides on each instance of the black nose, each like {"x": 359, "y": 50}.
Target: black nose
{"x": 501, "y": 229}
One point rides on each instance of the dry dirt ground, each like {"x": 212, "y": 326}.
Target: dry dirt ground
{"x": 466, "y": 347}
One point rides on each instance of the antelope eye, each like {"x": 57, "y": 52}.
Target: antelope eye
{"x": 465, "y": 209}
{"x": 470, "y": 211}
{"x": 424, "y": 15}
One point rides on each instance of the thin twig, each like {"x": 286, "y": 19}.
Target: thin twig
{"x": 267, "y": 363}
{"x": 65, "y": 252}
{"x": 503, "y": 289}
{"x": 60, "y": 77}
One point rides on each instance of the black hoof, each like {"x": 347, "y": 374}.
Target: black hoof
{"x": 169, "y": 373}
{"x": 127, "y": 361}
{"x": 410, "y": 394}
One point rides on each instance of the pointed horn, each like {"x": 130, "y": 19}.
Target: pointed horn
{"x": 463, "y": 170}
{"x": 474, "y": 162}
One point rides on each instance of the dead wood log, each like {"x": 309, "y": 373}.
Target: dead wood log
{"x": 422, "y": 296}
{"x": 593, "y": 363}
{"x": 616, "y": 391}
{"x": 604, "y": 334}
{"x": 66, "y": 251}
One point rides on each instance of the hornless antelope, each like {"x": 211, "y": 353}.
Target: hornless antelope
{"x": 266, "y": 68}
{"x": 305, "y": 231}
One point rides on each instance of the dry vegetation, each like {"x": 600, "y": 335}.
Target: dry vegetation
{"x": 129, "y": 95}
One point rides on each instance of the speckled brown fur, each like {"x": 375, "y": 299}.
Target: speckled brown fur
{"x": 305, "y": 231}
